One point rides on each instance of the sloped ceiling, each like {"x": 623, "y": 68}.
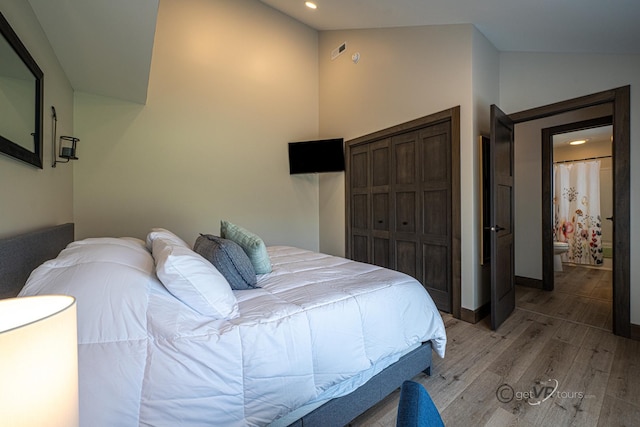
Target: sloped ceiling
{"x": 561, "y": 26}
{"x": 105, "y": 46}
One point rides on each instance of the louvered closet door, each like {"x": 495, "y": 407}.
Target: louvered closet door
{"x": 434, "y": 155}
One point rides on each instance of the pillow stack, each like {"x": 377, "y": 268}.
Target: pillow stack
{"x": 238, "y": 254}
{"x": 191, "y": 278}
{"x": 203, "y": 278}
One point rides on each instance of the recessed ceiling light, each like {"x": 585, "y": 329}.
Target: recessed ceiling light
{"x": 311, "y": 5}
{"x": 578, "y": 142}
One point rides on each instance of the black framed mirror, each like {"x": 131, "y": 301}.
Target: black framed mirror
{"x": 21, "y": 92}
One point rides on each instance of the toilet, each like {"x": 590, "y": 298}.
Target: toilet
{"x": 558, "y": 249}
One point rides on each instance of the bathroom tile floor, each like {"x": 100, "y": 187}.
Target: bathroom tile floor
{"x": 581, "y": 294}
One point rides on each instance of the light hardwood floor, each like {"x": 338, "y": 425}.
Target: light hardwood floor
{"x": 561, "y": 336}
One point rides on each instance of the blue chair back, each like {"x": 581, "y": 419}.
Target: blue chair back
{"x": 416, "y": 409}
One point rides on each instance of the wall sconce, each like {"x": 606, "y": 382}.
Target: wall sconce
{"x": 67, "y": 148}
{"x": 39, "y": 369}
{"x": 68, "y": 144}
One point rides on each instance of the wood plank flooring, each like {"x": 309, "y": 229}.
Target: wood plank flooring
{"x": 562, "y": 337}
{"x": 581, "y": 294}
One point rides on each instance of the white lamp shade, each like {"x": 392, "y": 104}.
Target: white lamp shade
{"x": 38, "y": 361}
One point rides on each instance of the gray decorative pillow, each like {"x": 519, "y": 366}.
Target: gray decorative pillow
{"x": 230, "y": 260}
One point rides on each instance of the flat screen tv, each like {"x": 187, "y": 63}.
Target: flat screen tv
{"x": 324, "y": 155}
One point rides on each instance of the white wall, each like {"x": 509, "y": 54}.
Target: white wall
{"x": 486, "y": 87}
{"x": 231, "y": 84}
{"x": 404, "y": 74}
{"x": 332, "y": 213}
{"x": 32, "y": 198}
{"x": 531, "y": 80}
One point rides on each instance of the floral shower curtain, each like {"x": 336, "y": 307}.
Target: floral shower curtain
{"x": 576, "y": 205}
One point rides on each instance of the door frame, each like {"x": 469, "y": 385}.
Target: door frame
{"x": 547, "y": 190}
{"x": 619, "y": 98}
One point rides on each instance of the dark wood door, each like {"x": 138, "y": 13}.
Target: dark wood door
{"x": 434, "y": 160}
{"x": 421, "y": 194}
{"x": 503, "y": 293}
{"x": 360, "y": 216}
{"x": 369, "y": 176}
{"x": 380, "y": 153}
{"x": 405, "y": 201}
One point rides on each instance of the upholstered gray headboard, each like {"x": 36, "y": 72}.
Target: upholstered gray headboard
{"x": 20, "y": 255}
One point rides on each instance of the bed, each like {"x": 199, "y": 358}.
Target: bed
{"x": 319, "y": 340}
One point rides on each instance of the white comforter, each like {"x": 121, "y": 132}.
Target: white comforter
{"x": 319, "y": 327}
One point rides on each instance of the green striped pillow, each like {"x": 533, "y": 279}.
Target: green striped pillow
{"x": 252, "y": 244}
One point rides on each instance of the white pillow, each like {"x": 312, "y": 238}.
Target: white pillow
{"x": 193, "y": 280}
{"x": 162, "y": 233}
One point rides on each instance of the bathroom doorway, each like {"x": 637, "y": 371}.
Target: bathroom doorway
{"x": 578, "y": 187}
{"x": 618, "y": 102}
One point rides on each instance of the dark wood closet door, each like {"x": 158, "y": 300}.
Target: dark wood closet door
{"x": 405, "y": 195}
{"x": 360, "y": 182}
{"x": 381, "y": 202}
{"x": 403, "y": 202}
{"x": 434, "y": 156}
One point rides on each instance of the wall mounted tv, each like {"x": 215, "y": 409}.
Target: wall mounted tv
{"x": 324, "y": 155}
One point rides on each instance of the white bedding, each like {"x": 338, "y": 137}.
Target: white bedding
{"x": 318, "y": 327}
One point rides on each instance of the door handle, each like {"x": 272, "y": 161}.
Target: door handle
{"x": 610, "y": 218}
{"x": 496, "y": 228}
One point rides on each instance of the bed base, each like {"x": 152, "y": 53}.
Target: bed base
{"x": 342, "y": 410}
{"x": 20, "y": 255}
